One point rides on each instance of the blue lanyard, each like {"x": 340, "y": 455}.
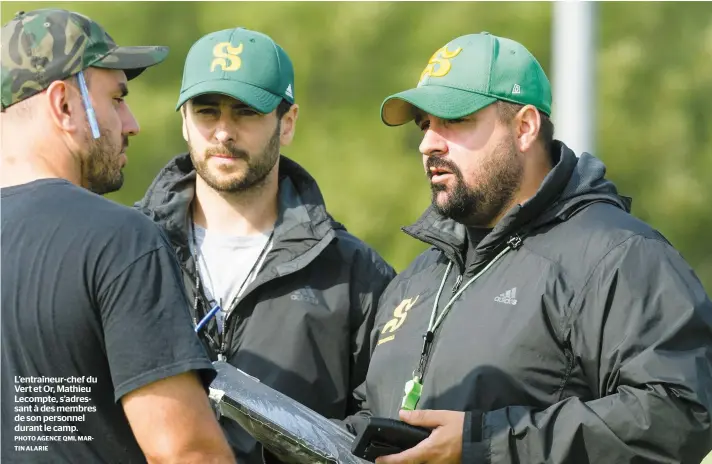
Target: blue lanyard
{"x": 207, "y": 317}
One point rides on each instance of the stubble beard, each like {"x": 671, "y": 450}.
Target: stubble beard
{"x": 100, "y": 168}
{"x": 253, "y": 176}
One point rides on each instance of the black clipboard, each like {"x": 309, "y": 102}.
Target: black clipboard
{"x": 286, "y": 428}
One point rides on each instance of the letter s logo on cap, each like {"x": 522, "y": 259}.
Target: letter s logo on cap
{"x": 441, "y": 58}
{"x": 226, "y": 57}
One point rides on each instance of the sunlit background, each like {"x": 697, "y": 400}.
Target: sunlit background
{"x": 652, "y": 119}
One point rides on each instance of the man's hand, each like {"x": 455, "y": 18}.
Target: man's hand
{"x": 443, "y": 446}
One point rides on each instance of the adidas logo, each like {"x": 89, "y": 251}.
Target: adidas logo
{"x": 288, "y": 92}
{"x": 508, "y": 297}
{"x": 305, "y": 294}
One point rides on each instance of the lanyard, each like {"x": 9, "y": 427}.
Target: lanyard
{"x": 216, "y": 307}
{"x": 414, "y": 387}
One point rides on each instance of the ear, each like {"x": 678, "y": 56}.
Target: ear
{"x": 64, "y": 105}
{"x": 527, "y": 124}
{"x": 289, "y": 123}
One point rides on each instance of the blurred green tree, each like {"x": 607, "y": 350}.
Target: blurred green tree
{"x": 654, "y": 78}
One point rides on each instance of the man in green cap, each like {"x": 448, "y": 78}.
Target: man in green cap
{"x": 545, "y": 323}
{"x": 99, "y": 359}
{"x": 279, "y": 288}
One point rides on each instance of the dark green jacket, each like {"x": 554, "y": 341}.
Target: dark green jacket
{"x": 302, "y": 326}
{"x": 589, "y": 341}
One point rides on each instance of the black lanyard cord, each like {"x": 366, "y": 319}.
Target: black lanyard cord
{"x": 213, "y": 302}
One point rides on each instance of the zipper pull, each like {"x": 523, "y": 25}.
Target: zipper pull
{"x": 457, "y": 283}
{"x": 514, "y": 242}
{"x": 223, "y": 350}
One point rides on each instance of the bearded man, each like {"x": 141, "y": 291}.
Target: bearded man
{"x": 545, "y": 323}
{"x": 279, "y": 288}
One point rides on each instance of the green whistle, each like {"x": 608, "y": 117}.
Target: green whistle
{"x": 413, "y": 388}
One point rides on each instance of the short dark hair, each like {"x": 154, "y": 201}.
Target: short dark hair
{"x": 506, "y": 112}
{"x": 282, "y": 108}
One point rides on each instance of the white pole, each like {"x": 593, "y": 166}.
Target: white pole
{"x": 574, "y": 74}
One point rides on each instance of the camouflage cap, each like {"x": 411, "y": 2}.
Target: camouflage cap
{"x": 47, "y": 45}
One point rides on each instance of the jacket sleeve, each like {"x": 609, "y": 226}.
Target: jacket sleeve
{"x": 371, "y": 276}
{"x": 641, "y": 332}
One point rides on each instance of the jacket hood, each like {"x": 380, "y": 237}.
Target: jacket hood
{"x": 302, "y": 211}
{"x": 573, "y": 183}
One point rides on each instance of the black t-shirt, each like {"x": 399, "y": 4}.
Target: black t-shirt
{"x": 92, "y": 308}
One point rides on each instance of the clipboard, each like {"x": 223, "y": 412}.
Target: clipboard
{"x": 286, "y": 428}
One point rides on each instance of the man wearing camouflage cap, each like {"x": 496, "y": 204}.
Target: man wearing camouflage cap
{"x": 545, "y": 323}
{"x": 279, "y": 288}
{"x": 98, "y": 351}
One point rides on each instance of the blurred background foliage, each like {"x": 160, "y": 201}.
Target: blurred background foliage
{"x": 653, "y": 124}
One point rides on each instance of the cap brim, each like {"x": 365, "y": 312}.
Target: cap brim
{"x": 442, "y": 102}
{"x": 132, "y": 60}
{"x": 253, "y": 96}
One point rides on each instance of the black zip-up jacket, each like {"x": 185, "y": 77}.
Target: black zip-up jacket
{"x": 588, "y": 341}
{"x": 302, "y": 326}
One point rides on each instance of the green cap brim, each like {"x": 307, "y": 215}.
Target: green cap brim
{"x": 253, "y": 96}
{"x": 442, "y": 102}
{"x": 132, "y": 60}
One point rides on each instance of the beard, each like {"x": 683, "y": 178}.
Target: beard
{"x": 102, "y": 165}
{"x": 501, "y": 175}
{"x": 254, "y": 175}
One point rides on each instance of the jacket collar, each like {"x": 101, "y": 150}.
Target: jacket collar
{"x": 302, "y": 212}
{"x": 572, "y": 183}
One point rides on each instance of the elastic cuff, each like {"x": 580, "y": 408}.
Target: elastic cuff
{"x": 473, "y": 426}
{"x": 474, "y": 450}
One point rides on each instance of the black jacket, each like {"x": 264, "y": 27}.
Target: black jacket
{"x": 302, "y": 326}
{"x": 588, "y": 341}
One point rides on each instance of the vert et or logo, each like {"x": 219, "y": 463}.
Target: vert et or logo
{"x": 399, "y": 315}
{"x": 439, "y": 64}
{"x": 226, "y": 57}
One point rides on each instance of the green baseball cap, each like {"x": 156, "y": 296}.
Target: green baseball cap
{"x": 48, "y": 45}
{"x": 468, "y": 74}
{"x": 243, "y": 64}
